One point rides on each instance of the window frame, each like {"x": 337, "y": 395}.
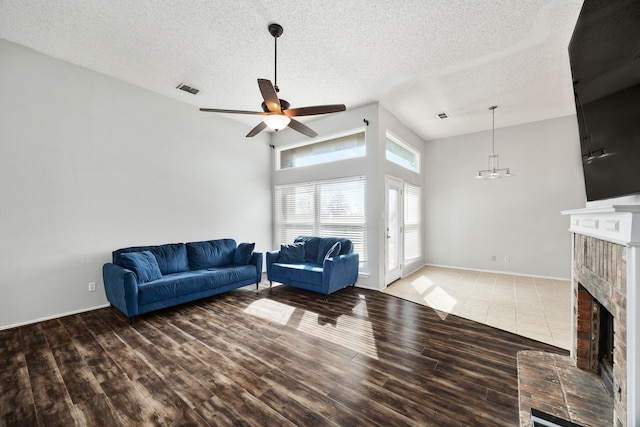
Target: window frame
{"x": 305, "y": 143}
{"x": 396, "y": 140}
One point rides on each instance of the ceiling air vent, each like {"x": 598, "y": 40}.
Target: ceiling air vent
{"x": 443, "y": 115}
{"x": 191, "y": 90}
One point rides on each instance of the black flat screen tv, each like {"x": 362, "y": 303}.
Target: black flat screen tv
{"x": 604, "y": 53}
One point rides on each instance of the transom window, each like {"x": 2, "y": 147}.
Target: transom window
{"x": 330, "y": 150}
{"x": 402, "y": 154}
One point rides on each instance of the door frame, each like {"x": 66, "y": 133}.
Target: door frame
{"x": 391, "y": 275}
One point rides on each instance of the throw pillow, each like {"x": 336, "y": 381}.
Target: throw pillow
{"x": 143, "y": 263}
{"x": 292, "y": 254}
{"x": 333, "y": 251}
{"x": 243, "y": 253}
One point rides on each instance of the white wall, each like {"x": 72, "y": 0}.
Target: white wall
{"x": 89, "y": 164}
{"x": 469, "y": 220}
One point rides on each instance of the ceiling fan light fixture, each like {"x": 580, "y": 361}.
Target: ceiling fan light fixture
{"x": 276, "y": 121}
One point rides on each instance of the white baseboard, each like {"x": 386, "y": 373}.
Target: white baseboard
{"x": 499, "y": 272}
{"x": 55, "y": 316}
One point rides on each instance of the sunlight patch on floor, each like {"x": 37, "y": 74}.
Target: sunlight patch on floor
{"x": 440, "y": 301}
{"x": 271, "y": 310}
{"x": 350, "y": 332}
{"x": 421, "y": 284}
{"x": 436, "y": 298}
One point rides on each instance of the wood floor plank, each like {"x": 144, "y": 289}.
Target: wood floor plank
{"x": 168, "y": 408}
{"x": 219, "y": 414}
{"x": 97, "y": 359}
{"x": 123, "y": 355}
{"x": 15, "y": 389}
{"x": 97, "y": 411}
{"x": 263, "y": 358}
{"x": 78, "y": 379}
{"x": 181, "y": 381}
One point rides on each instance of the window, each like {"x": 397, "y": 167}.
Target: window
{"x": 401, "y": 154}
{"x": 344, "y": 147}
{"x": 331, "y": 208}
{"x": 412, "y": 228}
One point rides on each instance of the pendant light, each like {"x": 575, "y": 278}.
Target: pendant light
{"x": 494, "y": 171}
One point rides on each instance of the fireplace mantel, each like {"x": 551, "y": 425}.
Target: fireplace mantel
{"x": 616, "y": 223}
{"x": 619, "y": 224}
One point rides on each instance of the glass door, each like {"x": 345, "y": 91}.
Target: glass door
{"x": 393, "y": 229}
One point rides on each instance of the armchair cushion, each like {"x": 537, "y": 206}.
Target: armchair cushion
{"x": 310, "y": 247}
{"x": 292, "y": 254}
{"x": 325, "y": 244}
{"x": 333, "y": 251}
{"x": 143, "y": 263}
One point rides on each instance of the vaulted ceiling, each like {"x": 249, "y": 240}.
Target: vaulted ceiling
{"x": 418, "y": 58}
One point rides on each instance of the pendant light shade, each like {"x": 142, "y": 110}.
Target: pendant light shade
{"x": 494, "y": 171}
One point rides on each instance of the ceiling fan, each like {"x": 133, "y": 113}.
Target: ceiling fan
{"x": 276, "y": 112}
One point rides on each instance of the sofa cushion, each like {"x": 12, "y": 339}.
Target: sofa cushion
{"x": 310, "y": 247}
{"x": 242, "y": 256}
{"x": 292, "y": 253}
{"x": 172, "y": 257}
{"x": 143, "y": 263}
{"x": 333, "y": 251}
{"x": 210, "y": 253}
{"x": 179, "y": 284}
{"x": 325, "y": 244}
{"x": 306, "y": 273}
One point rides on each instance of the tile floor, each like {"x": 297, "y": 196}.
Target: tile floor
{"x": 529, "y": 306}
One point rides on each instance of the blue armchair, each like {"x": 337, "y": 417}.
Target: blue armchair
{"x": 319, "y": 264}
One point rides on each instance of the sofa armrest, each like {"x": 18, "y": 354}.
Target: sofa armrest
{"x": 340, "y": 271}
{"x": 272, "y": 257}
{"x": 256, "y": 259}
{"x": 121, "y": 287}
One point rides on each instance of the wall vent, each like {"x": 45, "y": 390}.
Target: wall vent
{"x": 191, "y": 90}
{"x": 443, "y": 115}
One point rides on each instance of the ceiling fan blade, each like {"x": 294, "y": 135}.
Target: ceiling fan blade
{"x": 316, "y": 109}
{"x": 302, "y": 128}
{"x": 270, "y": 95}
{"x": 217, "y": 110}
{"x": 256, "y": 130}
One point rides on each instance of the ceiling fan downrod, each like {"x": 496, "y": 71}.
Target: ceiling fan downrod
{"x": 276, "y": 31}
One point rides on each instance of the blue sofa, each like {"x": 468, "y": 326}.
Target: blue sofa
{"x": 319, "y": 264}
{"x": 146, "y": 278}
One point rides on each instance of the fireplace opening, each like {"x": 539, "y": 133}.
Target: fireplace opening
{"x": 605, "y": 348}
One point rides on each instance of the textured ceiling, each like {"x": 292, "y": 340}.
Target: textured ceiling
{"x": 417, "y": 57}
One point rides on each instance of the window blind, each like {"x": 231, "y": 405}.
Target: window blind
{"x": 412, "y": 222}
{"x": 329, "y": 208}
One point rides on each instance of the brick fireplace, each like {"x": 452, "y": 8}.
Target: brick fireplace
{"x": 599, "y": 284}
{"x": 606, "y": 265}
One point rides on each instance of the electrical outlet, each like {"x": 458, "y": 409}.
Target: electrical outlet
{"x": 493, "y": 257}
{"x": 507, "y": 259}
{"x": 92, "y": 286}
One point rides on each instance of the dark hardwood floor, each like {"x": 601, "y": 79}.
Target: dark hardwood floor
{"x": 260, "y": 358}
